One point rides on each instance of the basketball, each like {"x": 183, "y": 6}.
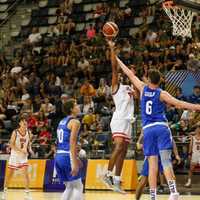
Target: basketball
{"x": 110, "y": 30}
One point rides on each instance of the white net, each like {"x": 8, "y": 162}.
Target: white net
{"x": 181, "y": 19}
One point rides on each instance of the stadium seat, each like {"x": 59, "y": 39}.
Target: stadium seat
{"x": 15, "y": 33}
{"x": 3, "y": 15}
{"x": 3, "y": 7}
{"x": 26, "y": 22}
{"x": 80, "y": 27}
{"x": 52, "y": 20}
{"x": 150, "y": 19}
{"x": 52, "y": 11}
{"x": 77, "y": 1}
{"x": 123, "y": 3}
{"x": 43, "y": 30}
{"x": 43, "y": 3}
{"x": 138, "y": 21}
{"x": 88, "y": 7}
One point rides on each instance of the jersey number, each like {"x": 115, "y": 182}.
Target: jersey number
{"x": 22, "y": 145}
{"x": 60, "y": 134}
{"x": 149, "y": 107}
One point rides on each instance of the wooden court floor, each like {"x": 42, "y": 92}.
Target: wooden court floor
{"x": 39, "y": 195}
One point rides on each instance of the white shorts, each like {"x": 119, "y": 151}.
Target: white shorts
{"x": 195, "y": 158}
{"x": 121, "y": 128}
{"x": 17, "y": 162}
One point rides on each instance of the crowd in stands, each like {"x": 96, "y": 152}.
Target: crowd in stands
{"x": 47, "y": 69}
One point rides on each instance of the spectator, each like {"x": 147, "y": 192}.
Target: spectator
{"x": 87, "y": 104}
{"x": 103, "y": 89}
{"x": 87, "y": 89}
{"x": 47, "y": 107}
{"x": 91, "y": 32}
{"x": 195, "y": 97}
{"x": 179, "y": 95}
{"x": 35, "y": 36}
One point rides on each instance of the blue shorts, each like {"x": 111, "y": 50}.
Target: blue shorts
{"x": 145, "y": 168}
{"x": 63, "y": 168}
{"x": 156, "y": 138}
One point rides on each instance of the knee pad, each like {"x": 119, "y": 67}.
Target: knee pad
{"x": 165, "y": 156}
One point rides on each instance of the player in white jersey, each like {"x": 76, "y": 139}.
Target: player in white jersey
{"x": 19, "y": 143}
{"x": 194, "y": 154}
{"x": 121, "y": 126}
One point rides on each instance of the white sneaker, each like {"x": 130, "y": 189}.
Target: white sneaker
{"x": 27, "y": 196}
{"x": 188, "y": 184}
{"x": 3, "y": 196}
{"x": 174, "y": 196}
{"x": 117, "y": 187}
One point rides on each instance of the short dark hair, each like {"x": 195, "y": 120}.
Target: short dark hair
{"x": 67, "y": 106}
{"x": 196, "y": 87}
{"x": 154, "y": 76}
{"x": 23, "y": 116}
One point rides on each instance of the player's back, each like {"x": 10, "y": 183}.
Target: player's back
{"x": 152, "y": 108}
{"x": 63, "y": 135}
{"x": 124, "y": 104}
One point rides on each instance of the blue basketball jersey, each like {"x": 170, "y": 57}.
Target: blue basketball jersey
{"x": 63, "y": 135}
{"x": 63, "y": 158}
{"x": 152, "y": 109}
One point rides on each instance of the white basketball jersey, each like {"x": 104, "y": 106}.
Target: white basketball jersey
{"x": 124, "y": 104}
{"x": 21, "y": 142}
{"x": 196, "y": 145}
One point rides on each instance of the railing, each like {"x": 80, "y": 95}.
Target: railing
{"x": 11, "y": 10}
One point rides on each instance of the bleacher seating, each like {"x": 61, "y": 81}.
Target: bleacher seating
{"x": 83, "y": 14}
{"x": 6, "y": 7}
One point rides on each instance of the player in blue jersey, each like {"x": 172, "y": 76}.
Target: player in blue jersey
{"x": 157, "y": 135}
{"x": 66, "y": 160}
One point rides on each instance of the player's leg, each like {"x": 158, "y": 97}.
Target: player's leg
{"x": 27, "y": 182}
{"x": 143, "y": 179}
{"x": 118, "y": 168}
{"x": 165, "y": 149}
{"x": 116, "y": 153}
{"x": 151, "y": 151}
{"x": 10, "y": 173}
{"x": 153, "y": 173}
{"x": 62, "y": 165}
{"x": 66, "y": 195}
{"x": 140, "y": 187}
{"x": 192, "y": 167}
{"x": 77, "y": 191}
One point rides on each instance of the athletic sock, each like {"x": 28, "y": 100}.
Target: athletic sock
{"x": 172, "y": 186}
{"x": 153, "y": 194}
{"x": 109, "y": 173}
{"x": 117, "y": 178}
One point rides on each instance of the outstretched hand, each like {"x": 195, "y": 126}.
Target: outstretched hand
{"x": 111, "y": 44}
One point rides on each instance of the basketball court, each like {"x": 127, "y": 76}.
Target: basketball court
{"x": 90, "y": 195}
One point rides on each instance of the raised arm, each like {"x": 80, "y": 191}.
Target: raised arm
{"x": 169, "y": 99}
{"x": 133, "y": 78}
{"x": 115, "y": 78}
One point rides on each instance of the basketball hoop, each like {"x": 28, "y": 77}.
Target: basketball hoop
{"x": 181, "y": 19}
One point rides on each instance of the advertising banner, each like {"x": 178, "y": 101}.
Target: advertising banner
{"x": 97, "y": 168}
{"x": 36, "y": 171}
{"x": 51, "y": 181}
{"x": 2, "y": 173}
